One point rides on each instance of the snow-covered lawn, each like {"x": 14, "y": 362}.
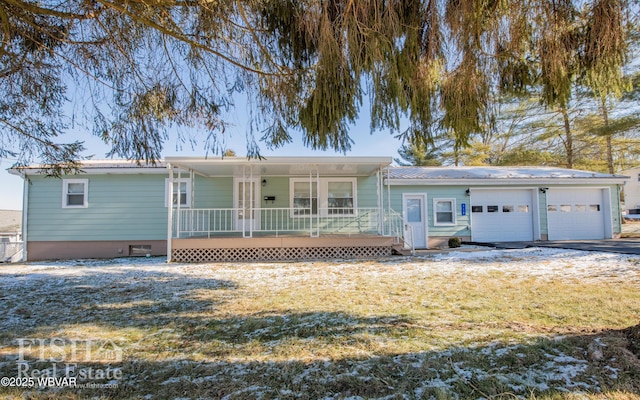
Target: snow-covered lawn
{"x": 465, "y": 324}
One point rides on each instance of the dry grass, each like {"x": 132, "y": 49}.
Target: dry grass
{"x": 397, "y": 328}
{"x": 630, "y": 229}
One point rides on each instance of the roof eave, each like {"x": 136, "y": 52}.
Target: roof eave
{"x": 502, "y": 181}
{"x": 281, "y": 166}
{"x": 90, "y": 170}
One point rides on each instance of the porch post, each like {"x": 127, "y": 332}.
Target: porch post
{"x": 243, "y": 201}
{"x": 169, "y": 211}
{"x": 318, "y": 210}
{"x": 311, "y": 204}
{"x": 389, "y": 197}
{"x": 379, "y": 200}
{"x": 251, "y": 201}
{"x": 178, "y": 201}
{"x": 192, "y": 179}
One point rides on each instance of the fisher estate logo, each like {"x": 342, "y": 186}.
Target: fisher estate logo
{"x": 63, "y": 362}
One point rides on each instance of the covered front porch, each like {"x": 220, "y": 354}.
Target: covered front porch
{"x": 284, "y": 208}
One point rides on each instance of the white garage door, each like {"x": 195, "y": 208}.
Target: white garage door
{"x": 501, "y": 215}
{"x": 576, "y": 214}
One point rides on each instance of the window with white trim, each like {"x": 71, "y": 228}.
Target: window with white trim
{"x": 181, "y": 190}
{"x": 326, "y": 197}
{"x": 444, "y": 211}
{"x": 340, "y": 197}
{"x": 304, "y": 197}
{"x": 75, "y": 193}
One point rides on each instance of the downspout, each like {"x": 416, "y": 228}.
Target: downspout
{"x": 169, "y": 211}
{"x": 25, "y": 211}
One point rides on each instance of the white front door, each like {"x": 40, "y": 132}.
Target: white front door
{"x": 415, "y": 220}
{"x": 247, "y": 205}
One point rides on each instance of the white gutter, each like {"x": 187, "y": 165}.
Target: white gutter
{"x": 103, "y": 171}
{"x": 284, "y": 160}
{"x": 499, "y": 181}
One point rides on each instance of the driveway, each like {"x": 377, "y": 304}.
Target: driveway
{"x": 623, "y": 246}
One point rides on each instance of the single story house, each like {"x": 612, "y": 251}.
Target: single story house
{"x": 631, "y": 191}
{"x": 291, "y": 208}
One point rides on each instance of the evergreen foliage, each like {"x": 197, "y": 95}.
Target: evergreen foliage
{"x": 136, "y": 69}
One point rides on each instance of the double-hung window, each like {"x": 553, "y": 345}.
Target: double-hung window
{"x": 305, "y": 197}
{"x": 181, "y": 191}
{"x": 324, "y": 197}
{"x": 444, "y": 211}
{"x": 340, "y": 197}
{"x": 75, "y": 193}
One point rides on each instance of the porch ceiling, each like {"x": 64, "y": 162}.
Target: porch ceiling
{"x": 282, "y": 166}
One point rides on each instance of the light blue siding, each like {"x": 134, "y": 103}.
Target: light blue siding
{"x": 218, "y": 192}
{"x": 278, "y": 187}
{"x": 213, "y": 193}
{"x": 544, "y": 224}
{"x": 616, "y": 212}
{"x": 368, "y": 192}
{"x": 463, "y": 222}
{"x": 120, "y": 207}
{"x": 132, "y": 206}
{"x": 461, "y": 228}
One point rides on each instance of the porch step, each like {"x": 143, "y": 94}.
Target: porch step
{"x": 400, "y": 250}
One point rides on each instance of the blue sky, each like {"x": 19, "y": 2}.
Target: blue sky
{"x": 365, "y": 144}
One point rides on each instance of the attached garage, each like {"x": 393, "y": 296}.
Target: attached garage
{"x": 502, "y": 215}
{"x": 578, "y": 213}
{"x": 511, "y": 204}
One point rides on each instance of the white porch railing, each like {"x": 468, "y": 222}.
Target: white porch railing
{"x": 220, "y": 222}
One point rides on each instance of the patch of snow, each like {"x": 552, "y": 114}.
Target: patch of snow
{"x": 614, "y": 371}
{"x": 176, "y": 379}
{"x": 254, "y": 391}
{"x": 152, "y": 283}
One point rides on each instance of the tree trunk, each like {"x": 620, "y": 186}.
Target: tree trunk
{"x": 568, "y": 144}
{"x": 605, "y": 116}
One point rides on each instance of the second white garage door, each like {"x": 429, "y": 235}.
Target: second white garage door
{"x": 575, "y": 214}
{"x": 501, "y": 215}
